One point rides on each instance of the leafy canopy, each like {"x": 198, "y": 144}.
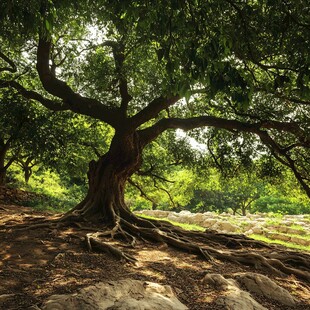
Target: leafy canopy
{"x": 242, "y": 66}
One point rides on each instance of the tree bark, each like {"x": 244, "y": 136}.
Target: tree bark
{"x": 154, "y": 206}
{"x": 27, "y": 174}
{"x": 107, "y": 179}
{"x": 2, "y": 165}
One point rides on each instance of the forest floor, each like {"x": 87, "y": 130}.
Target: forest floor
{"x": 37, "y": 263}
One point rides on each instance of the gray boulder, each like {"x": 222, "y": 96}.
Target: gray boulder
{"x": 262, "y": 285}
{"x": 125, "y": 294}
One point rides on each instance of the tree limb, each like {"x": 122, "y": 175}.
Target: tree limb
{"x": 119, "y": 58}
{"x": 142, "y": 193}
{"x": 167, "y": 192}
{"x": 29, "y": 94}
{"x": 151, "y": 174}
{"x": 72, "y": 100}
{"x": 151, "y": 133}
{"x": 153, "y": 109}
{"x": 12, "y": 67}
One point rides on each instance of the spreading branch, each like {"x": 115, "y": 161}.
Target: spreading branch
{"x": 151, "y": 174}
{"x": 30, "y": 94}
{"x": 167, "y": 192}
{"x": 12, "y": 67}
{"x": 74, "y": 101}
{"x": 153, "y": 109}
{"x": 151, "y": 133}
{"x": 142, "y": 192}
{"x": 119, "y": 58}
{"x": 259, "y": 128}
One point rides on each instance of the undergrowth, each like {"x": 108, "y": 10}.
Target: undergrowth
{"x": 54, "y": 193}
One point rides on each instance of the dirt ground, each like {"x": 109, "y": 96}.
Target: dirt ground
{"x": 40, "y": 262}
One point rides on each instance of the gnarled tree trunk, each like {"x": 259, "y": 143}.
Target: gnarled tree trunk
{"x": 107, "y": 178}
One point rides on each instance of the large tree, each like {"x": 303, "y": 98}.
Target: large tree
{"x": 146, "y": 67}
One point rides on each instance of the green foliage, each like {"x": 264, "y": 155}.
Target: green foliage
{"x": 55, "y": 193}
{"x": 222, "y": 194}
{"x": 282, "y": 205}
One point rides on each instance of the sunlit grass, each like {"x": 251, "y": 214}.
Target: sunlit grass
{"x": 297, "y": 227}
{"x": 182, "y": 225}
{"x": 53, "y": 194}
{"x": 285, "y": 243}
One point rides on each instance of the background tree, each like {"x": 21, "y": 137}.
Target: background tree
{"x": 16, "y": 129}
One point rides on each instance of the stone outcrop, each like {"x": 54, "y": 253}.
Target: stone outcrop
{"x": 225, "y": 226}
{"x": 232, "y": 297}
{"x": 125, "y": 294}
{"x": 262, "y": 285}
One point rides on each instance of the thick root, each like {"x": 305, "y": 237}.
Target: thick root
{"x": 93, "y": 242}
{"x": 210, "y": 245}
{"x": 206, "y": 244}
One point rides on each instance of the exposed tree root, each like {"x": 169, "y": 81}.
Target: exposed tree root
{"x": 302, "y": 260}
{"x": 209, "y": 245}
{"x": 93, "y": 241}
{"x": 279, "y": 263}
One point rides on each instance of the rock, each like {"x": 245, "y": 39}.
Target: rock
{"x": 209, "y": 214}
{"x": 293, "y": 231}
{"x": 262, "y": 285}
{"x": 232, "y": 297}
{"x": 287, "y": 222}
{"x": 197, "y": 218}
{"x": 249, "y": 232}
{"x": 300, "y": 241}
{"x": 282, "y": 229}
{"x": 173, "y": 217}
{"x": 185, "y": 218}
{"x": 185, "y": 213}
{"x": 225, "y": 226}
{"x": 159, "y": 213}
{"x": 246, "y": 225}
{"x": 209, "y": 223}
{"x": 118, "y": 295}
{"x": 278, "y": 236}
{"x": 257, "y": 230}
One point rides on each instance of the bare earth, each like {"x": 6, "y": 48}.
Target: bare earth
{"x": 36, "y": 263}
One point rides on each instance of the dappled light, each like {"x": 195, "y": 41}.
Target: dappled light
{"x": 154, "y": 151}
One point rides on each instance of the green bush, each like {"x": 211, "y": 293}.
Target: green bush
{"x": 280, "y": 204}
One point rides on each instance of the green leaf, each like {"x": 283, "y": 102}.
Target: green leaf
{"x": 48, "y": 25}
